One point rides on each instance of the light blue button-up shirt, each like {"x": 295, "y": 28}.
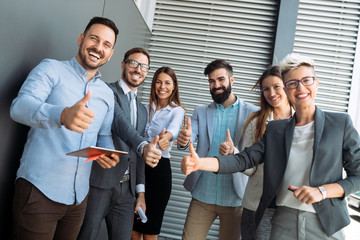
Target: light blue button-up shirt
{"x": 50, "y": 88}
{"x": 219, "y": 188}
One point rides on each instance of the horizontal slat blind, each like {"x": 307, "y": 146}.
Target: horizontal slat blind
{"x": 187, "y": 35}
{"x": 327, "y": 31}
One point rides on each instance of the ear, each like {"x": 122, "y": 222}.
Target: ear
{"x": 122, "y": 66}
{"x": 232, "y": 79}
{"x": 112, "y": 52}
{"x": 80, "y": 39}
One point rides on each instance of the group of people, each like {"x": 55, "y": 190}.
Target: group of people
{"x": 255, "y": 193}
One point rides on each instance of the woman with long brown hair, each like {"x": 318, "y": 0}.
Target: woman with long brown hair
{"x": 274, "y": 105}
{"x": 166, "y": 115}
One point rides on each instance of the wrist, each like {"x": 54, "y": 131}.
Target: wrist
{"x": 141, "y": 147}
{"x": 322, "y": 191}
{"x": 185, "y": 147}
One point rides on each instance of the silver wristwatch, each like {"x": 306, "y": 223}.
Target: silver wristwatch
{"x": 323, "y": 192}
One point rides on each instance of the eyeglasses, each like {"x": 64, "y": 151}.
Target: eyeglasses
{"x": 306, "y": 81}
{"x": 135, "y": 64}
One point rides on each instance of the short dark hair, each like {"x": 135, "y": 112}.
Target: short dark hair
{"x": 103, "y": 21}
{"x": 216, "y": 64}
{"x": 136, "y": 50}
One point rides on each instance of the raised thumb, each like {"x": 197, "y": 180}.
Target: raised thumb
{"x": 188, "y": 122}
{"x": 191, "y": 148}
{"x": 155, "y": 141}
{"x": 162, "y": 132}
{"x": 85, "y": 99}
{"x": 228, "y": 136}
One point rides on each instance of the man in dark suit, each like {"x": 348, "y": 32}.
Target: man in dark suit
{"x": 113, "y": 193}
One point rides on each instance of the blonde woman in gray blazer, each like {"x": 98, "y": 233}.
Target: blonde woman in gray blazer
{"x": 303, "y": 158}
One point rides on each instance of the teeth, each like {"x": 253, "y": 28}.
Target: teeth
{"x": 302, "y": 95}
{"x": 136, "y": 76}
{"x": 273, "y": 99}
{"x": 94, "y": 55}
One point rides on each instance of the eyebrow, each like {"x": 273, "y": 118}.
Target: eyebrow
{"x": 93, "y": 35}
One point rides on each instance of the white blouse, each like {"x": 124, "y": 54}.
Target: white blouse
{"x": 169, "y": 118}
{"x": 298, "y": 168}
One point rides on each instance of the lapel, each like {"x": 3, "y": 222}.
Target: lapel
{"x": 210, "y": 116}
{"x": 318, "y": 128}
{"x": 241, "y": 119}
{"x": 123, "y": 101}
{"x": 141, "y": 115}
{"x": 289, "y": 132}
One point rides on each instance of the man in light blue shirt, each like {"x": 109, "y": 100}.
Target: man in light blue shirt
{"x": 215, "y": 195}
{"x": 68, "y": 107}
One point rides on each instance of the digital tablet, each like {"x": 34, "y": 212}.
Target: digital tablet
{"x": 94, "y": 151}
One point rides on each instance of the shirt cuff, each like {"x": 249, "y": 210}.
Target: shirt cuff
{"x": 236, "y": 151}
{"x": 183, "y": 148}
{"x": 140, "y": 148}
{"x": 140, "y": 188}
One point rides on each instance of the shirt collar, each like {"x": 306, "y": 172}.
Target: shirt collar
{"x": 168, "y": 107}
{"x": 235, "y": 104}
{"x": 81, "y": 71}
{"x": 125, "y": 87}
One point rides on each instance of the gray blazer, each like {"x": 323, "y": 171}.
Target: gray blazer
{"x": 336, "y": 147}
{"x": 125, "y": 138}
{"x": 202, "y": 125}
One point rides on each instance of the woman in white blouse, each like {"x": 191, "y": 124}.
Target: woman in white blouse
{"x": 166, "y": 115}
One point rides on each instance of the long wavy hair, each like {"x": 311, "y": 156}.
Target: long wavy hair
{"x": 263, "y": 114}
{"x": 174, "y": 97}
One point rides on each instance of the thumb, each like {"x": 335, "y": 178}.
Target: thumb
{"x": 85, "y": 99}
{"x": 162, "y": 132}
{"x": 155, "y": 141}
{"x": 188, "y": 122}
{"x": 191, "y": 148}
{"x": 228, "y": 136}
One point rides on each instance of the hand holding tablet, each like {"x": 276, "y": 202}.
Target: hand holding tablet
{"x": 92, "y": 153}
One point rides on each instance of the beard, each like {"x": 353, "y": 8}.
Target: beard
{"x": 222, "y": 97}
{"x": 126, "y": 79}
{"x": 87, "y": 64}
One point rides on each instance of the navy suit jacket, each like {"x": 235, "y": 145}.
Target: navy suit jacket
{"x": 336, "y": 147}
{"x": 125, "y": 138}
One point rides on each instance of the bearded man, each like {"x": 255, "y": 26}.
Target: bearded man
{"x": 215, "y": 195}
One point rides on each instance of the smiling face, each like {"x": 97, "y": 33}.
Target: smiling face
{"x": 134, "y": 77}
{"x": 220, "y": 85}
{"x": 164, "y": 86}
{"x": 302, "y": 96}
{"x": 273, "y": 91}
{"x": 95, "y": 47}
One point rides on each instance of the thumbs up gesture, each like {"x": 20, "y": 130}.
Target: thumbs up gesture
{"x": 190, "y": 163}
{"x": 151, "y": 154}
{"x": 185, "y": 134}
{"x": 78, "y": 117}
{"x": 164, "y": 138}
{"x": 227, "y": 147}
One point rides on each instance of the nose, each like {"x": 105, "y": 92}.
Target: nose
{"x": 272, "y": 91}
{"x": 217, "y": 84}
{"x": 97, "y": 46}
{"x": 300, "y": 85}
{"x": 138, "y": 68}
